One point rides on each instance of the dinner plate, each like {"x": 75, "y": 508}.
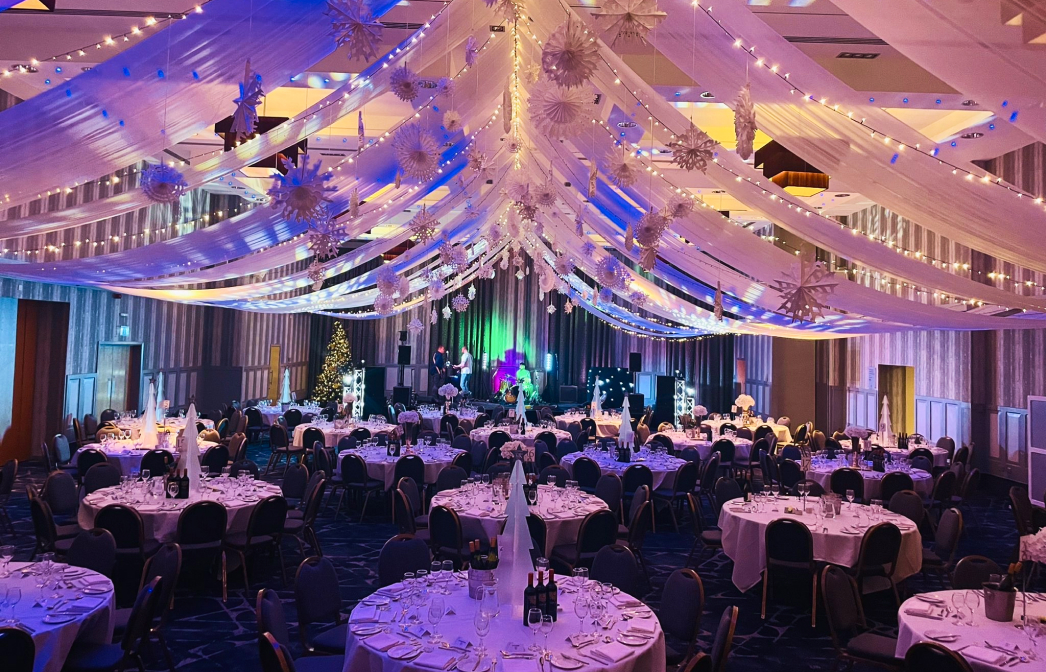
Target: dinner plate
{"x": 470, "y": 664}
{"x": 73, "y": 572}
{"x": 376, "y": 601}
{"x": 942, "y": 636}
{"x": 364, "y": 629}
{"x": 57, "y": 619}
{"x": 96, "y": 589}
{"x": 930, "y": 599}
{"x": 405, "y": 652}
{"x": 562, "y": 663}
{"x": 632, "y": 640}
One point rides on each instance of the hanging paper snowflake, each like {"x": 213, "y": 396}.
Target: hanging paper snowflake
{"x": 315, "y": 273}
{"x": 506, "y": 107}
{"x": 472, "y": 292}
{"x": 565, "y": 265}
{"x": 588, "y": 249}
{"x": 404, "y": 83}
{"x": 479, "y": 162}
{"x": 629, "y": 242}
{"x": 611, "y": 273}
{"x": 387, "y": 280}
{"x": 622, "y": 167}
{"x": 445, "y": 87}
{"x": 592, "y": 180}
{"x": 245, "y": 118}
{"x": 545, "y": 194}
{"x": 693, "y": 150}
{"x": 678, "y": 206}
{"x": 471, "y": 51}
{"x": 570, "y": 55}
{"x": 651, "y": 226}
{"x": 384, "y": 305}
{"x": 579, "y": 225}
{"x": 354, "y": 27}
{"x": 459, "y": 303}
{"x": 559, "y": 112}
{"x": 744, "y": 122}
{"x": 163, "y": 184}
{"x": 647, "y": 258}
{"x": 471, "y": 211}
{"x": 325, "y": 236}
{"x": 563, "y": 287}
{"x": 628, "y": 20}
{"x": 527, "y": 212}
{"x": 423, "y": 226}
{"x": 510, "y": 9}
{"x": 446, "y": 312}
{"x": 433, "y": 317}
{"x": 551, "y": 308}
{"x": 300, "y": 194}
{"x": 717, "y": 305}
{"x": 361, "y": 137}
{"x": 415, "y": 327}
{"x": 606, "y": 295}
{"x": 504, "y": 261}
{"x": 494, "y": 235}
{"x": 437, "y": 290}
{"x": 417, "y": 152}
{"x": 568, "y": 307}
{"x": 546, "y": 280}
{"x": 451, "y": 121}
{"x": 804, "y": 289}
{"x": 404, "y": 289}
{"x": 520, "y": 275}
{"x": 486, "y": 271}
{"x": 638, "y": 298}
{"x": 354, "y": 204}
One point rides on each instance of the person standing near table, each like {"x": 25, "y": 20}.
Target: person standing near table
{"x": 464, "y": 368}
{"x": 438, "y": 369}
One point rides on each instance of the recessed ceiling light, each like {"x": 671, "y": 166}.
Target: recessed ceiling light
{"x": 626, "y": 124}
{"x": 707, "y": 94}
{"x": 25, "y": 68}
{"x": 970, "y": 103}
{"x": 971, "y": 135}
{"x": 842, "y": 195}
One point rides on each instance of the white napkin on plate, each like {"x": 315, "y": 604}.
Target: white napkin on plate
{"x": 441, "y": 660}
{"x": 642, "y": 627}
{"x": 614, "y": 652}
{"x": 383, "y": 641}
{"x": 623, "y": 600}
{"x": 985, "y": 655}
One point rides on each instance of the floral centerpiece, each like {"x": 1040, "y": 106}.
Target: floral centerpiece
{"x": 745, "y": 403}
{"x": 700, "y": 412}
{"x": 853, "y": 431}
{"x": 517, "y": 450}
{"x": 408, "y": 418}
{"x": 1033, "y": 549}
{"x": 448, "y": 392}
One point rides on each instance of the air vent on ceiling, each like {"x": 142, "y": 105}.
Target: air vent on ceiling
{"x": 497, "y": 29}
{"x": 859, "y": 55}
{"x": 817, "y": 39}
{"x": 402, "y": 25}
{"x": 972, "y": 135}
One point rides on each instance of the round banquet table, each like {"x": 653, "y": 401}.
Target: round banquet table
{"x": 127, "y": 455}
{"x": 374, "y": 641}
{"x": 783, "y": 434}
{"x": 742, "y": 447}
{"x": 483, "y": 434}
{"x": 940, "y": 455}
{"x": 607, "y": 424}
{"x": 922, "y": 621}
{"x": 270, "y": 414}
{"x": 662, "y": 467}
{"x": 481, "y": 518}
{"x": 160, "y": 516}
{"x": 381, "y": 466}
{"x": 430, "y": 418}
{"x": 82, "y": 612}
{"x": 173, "y": 425}
{"x": 331, "y": 433}
{"x": 744, "y": 533}
{"x": 872, "y": 480}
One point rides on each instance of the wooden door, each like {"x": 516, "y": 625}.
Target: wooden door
{"x": 273, "y": 392}
{"x": 119, "y": 376}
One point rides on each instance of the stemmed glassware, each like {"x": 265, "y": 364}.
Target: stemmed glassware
{"x": 481, "y": 621}
{"x": 850, "y": 498}
{"x": 534, "y": 622}
{"x": 547, "y": 625}
{"x": 436, "y": 609}
{"x": 14, "y": 596}
{"x": 581, "y": 609}
{"x": 7, "y": 553}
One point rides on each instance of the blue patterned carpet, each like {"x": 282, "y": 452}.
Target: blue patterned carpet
{"x": 207, "y": 635}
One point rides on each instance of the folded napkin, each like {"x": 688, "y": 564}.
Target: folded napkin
{"x": 383, "y": 641}
{"x": 614, "y": 652}
{"x": 985, "y": 655}
{"x": 579, "y": 639}
{"x": 441, "y": 660}
{"x": 642, "y": 626}
{"x": 90, "y": 602}
{"x": 364, "y": 614}
{"x": 518, "y": 665}
{"x": 623, "y": 600}
{"x": 928, "y": 611}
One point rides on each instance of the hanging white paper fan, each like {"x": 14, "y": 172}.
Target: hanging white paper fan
{"x": 558, "y": 111}
{"x": 744, "y": 122}
{"x": 678, "y": 206}
{"x": 545, "y": 194}
{"x": 445, "y": 87}
{"x": 404, "y": 84}
{"x": 628, "y": 21}
{"x": 694, "y": 150}
{"x": 417, "y": 152}
{"x": 387, "y": 280}
{"x": 451, "y": 121}
{"x": 638, "y": 299}
{"x": 611, "y": 273}
{"x": 384, "y": 305}
{"x": 423, "y": 226}
{"x": 622, "y": 167}
{"x": 354, "y": 27}
{"x": 163, "y": 184}
{"x": 651, "y": 226}
{"x": 301, "y": 193}
{"x": 415, "y": 327}
{"x": 648, "y": 258}
{"x": 570, "y": 55}
{"x": 316, "y": 274}
{"x": 565, "y": 265}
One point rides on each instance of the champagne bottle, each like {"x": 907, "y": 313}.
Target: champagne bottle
{"x": 542, "y": 593}
{"x": 530, "y": 598}
{"x": 552, "y": 595}
{"x": 492, "y": 554}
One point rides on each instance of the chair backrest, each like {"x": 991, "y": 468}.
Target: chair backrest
{"x": 949, "y": 531}
{"x": 558, "y": 472}
{"x": 401, "y": 554}
{"x": 879, "y": 549}
{"x": 17, "y": 650}
{"x": 60, "y": 446}
{"x": 462, "y": 443}
{"x": 598, "y": 529}
{"x": 710, "y": 473}
{"x": 312, "y": 435}
{"x": 353, "y": 469}
{"x": 124, "y": 523}
{"x": 944, "y": 487}
{"x": 538, "y": 533}
{"x": 216, "y": 458}
{"x": 223, "y": 427}
{"x": 244, "y": 465}
{"x": 346, "y": 443}
{"x": 87, "y": 458}
{"x": 948, "y": 443}
{"x": 1023, "y": 513}
{"x": 293, "y": 417}
{"x": 726, "y": 450}
{"x": 450, "y": 477}
{"x": 410, "y": 488}
{"x": 789, "y": 543}
{"x": 682, "y": 605}
{"x": 724, "y": 638}
{"x": 103, "y": 475}
{"x": 267, "y": 518}
{"x": 615, "y": 564}
{"x": 165, "y": 563}
{"x": 894, "y": 482}
{"x": 586, "y": 472}
{"x": 608, "y": 488}
{"x": 7, "y": 477}
{"x": 641, "y": 497}
{"x": 93, "y": 549}
{"x": 43, "y": 521}
{"x": 295, "y": 477}
{"x": 962, "y": 455}
{"x": 141, "y": 618}
{"x": 922, "y": 463}
{"x": 317, "y": 594}
{"x": 702, "y": 662}
{"x": 686, "y": 478}
{"x": 274, "y": 656}
{"x": 254, "y": 418}
{"x": 635, "y": 476}
{"x": 61, "y": 493}
{"x": 270, "y": 616}
{"x": 725, "y": 490}
{"x": 970, "y": 483}
{"x": 934, "y": 656}
{"x": 157, "y": 461}
{"x": 790, "y": 473}
{"x": 842, "y": 605}
{"x": 813, "y": 488}
{"x": 410, "y": 466}
{"x": 278, "y": 436}
{"x": 497, "y": 439}
{"x": 909, "y": 504}
{"x": 321, "y": 460}
{"x": 973, "y": 571}
{"x": 444, "y": 528}
{"x": 202, "y": 523}
{"x": 566, "y": 447}
{"x": 845, "y": 479}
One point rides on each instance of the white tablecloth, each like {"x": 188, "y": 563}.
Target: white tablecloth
{"x": 780, "y": 431}
{"x": 160, "y": 519}
{"x": 430, "y": 419}
{"x": 744, "y": 536}
{"x": 271, "y": 413}
{"x": 940, "y": 455}
{"x": 382, "y": 467}
{"x": 127, "y": 457}
{"x": 361, "y": 655}
{"x": 742, "y": 447}
{"x": 483, "y": 434}
{"x": 483, "y": 519}
{"x": 913, "y": 629}
{"x": 873, "y": 481}
{"x": 662, "y": 467}
{"x": 606, "y": 424}
{"x": 54, "y": 640}
{"x": 173, "y": 425}
{"x": 331, "y": 434}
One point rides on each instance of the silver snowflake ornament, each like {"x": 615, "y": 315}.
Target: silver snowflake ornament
{"x": 570, "y": 55}
{"x": 384, "y": 305}
{"x": 325, "y": 235}
{"x": 694, "y": 150}
{"x": 163, "y": 184}
{"x": 433, "y": 317}
{"x": 301, "y": 194}
{"x": 551, "y": 308}
{"x": 404, "y": 83}
{"x": 744, "y": 122}
{"x": 415, "y": 327}
{"x": 804, "y": 290}
{"x": 628, "y": 21}
{"x": 423, "y": 226}
{"x": 459, "y": 303}
{"x": 568, "y": 307}
{"x": 446, "y": 312}
{"x": 245, "y": 118}
{"x": 315, "y": 273}
{"x": 417, "y": 151}
{"x": 354, "y": 27}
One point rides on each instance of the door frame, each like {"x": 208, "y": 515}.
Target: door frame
{"x": 138, "y": 405}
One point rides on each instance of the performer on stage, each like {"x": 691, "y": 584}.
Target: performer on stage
{"x": 438, "y": 369}
{"x": 464, "y": 368}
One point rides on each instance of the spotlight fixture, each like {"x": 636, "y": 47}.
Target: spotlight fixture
{"x": 969, "y": 103}
{"x": 707, "y": 94}
{"x": 972, "y": 135}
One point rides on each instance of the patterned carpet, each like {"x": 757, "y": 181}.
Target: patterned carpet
{"x": 206, "y": 635}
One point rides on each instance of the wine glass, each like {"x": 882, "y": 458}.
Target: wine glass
{"x": 490, "y": 603}
{"x": 172, "y": 488}
{"x": 7, "y": 553}
{"x": 972, "y": 602}
{"x": 534, "y": 622}
{"x": 581, "y": 610}
{"x": 547, "y": 624}
{"x": 14, "y": 596}
{"x": 436, "y": 609}
{"x": 146, "y": 475}
{"x": 850, "y": 498}
{"x": 481, "y": 621}
{"x": 596, "y": 609}
{"x": 958, "y": 603}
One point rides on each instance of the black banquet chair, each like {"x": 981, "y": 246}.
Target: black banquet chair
{"x": 851, "y": 637}
{"x": 935, "y": 657}
{"x": 789, "y": 559}
{"x": 616, "y": 565}
{"x": 682, "y": 605}
{"x": 90, "y": 657}
{"x": 17, "y": 650}
{"x": 401, "y": 554}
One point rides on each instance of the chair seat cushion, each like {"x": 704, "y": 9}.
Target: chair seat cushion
{"x": 293, "y": 525}
{"x": 62, "y": 546}
{"x": 622, "y": 531}
{"x": 931, "y": 559}
{"x": 332, "y": 640}
{"x": 295, "y": 514}
{"x": 93, "y": 657}
{"x": 67, "y": 531}
{"x": 120, "y": 620}
{"x": 672, "y": 656}
{"x": 421, "y": 521}
{"x": 712, "y": 537}
{"x": 239, "y": 540}
{"x": 320, "y": 664}
{"x": 871, "y": 645}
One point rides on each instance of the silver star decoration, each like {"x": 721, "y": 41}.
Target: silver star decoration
{"x": 551, "y": 308}
{"x": 433, "y": 317}
{"x": 325, "y": 236}
{"x": 423, "y": 226}
{"x": 693, "y": 150}
{"x": 245, "y": 118}
{"x": 459, "y": 303}
{"x": 446, "y": 312}
{"x": 804, "y": 290}
{"x": 628, "y": 20}
{"x": 353, "y": 26}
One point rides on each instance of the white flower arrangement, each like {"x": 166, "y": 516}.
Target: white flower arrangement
{"x": 409, "y": 417}
{"x": 853, "y": 431}
{"x": 448, "y": 391}
{"x": 1033, "y": 547}
{"x": 510, "y": 448}
{"x": 700, "y": 411}
{"x": 744, "y": 402}
{"x": 348, "y": 398}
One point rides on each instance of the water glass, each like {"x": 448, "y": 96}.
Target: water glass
{"x": 850, "y": 497}
{"x": 547, "y": 625}
{"x": 581, "y": 610}
{"x": 534, "y": 621}
{"x": 7, "y": 552}
{"x": 436, "y": 609}
{"x": 14, "y": 596}
{"x": 481, "y": 621}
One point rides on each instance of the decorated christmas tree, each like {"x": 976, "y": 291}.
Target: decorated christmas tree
{"x": 886, "y": 425}
{"x": 328, "y": 385}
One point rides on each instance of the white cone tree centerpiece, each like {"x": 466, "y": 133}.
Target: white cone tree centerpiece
{"x": 189, "y": 452}
{"x": 625, "y": 436}
{"x": 148, "y": 435}
{"x": 285, "y": 390}
{"x": 514, "y": 545}
{"x": 886, "y": 437}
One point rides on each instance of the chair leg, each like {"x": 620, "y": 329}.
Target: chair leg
{"x": 363, "y": 513}
{"x": 813, "y": 603}
{"x": 766, "y": 585}
{"x": 672, "y": 512}
{"x": 341, "y": 498}
{"x": 693, "y": 548}
{"x": 283, "y": 565}
{"x": 225, "y": 578}
{"x": 166, "y": 651}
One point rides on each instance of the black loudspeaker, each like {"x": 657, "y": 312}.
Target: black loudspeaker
{"x": 635, "y": 405}
{"x": 403, "y": 336}
{"x": 664, "y": 400}
{"x": 374, "y": 391}
{"x": 404, "y": 356}
{"x": 401, "y": 395}
{"x": 635, "y": 362}
{"x": 568, "y": 394}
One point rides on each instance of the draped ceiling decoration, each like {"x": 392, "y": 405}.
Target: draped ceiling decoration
{"x": 528, "y": 178}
